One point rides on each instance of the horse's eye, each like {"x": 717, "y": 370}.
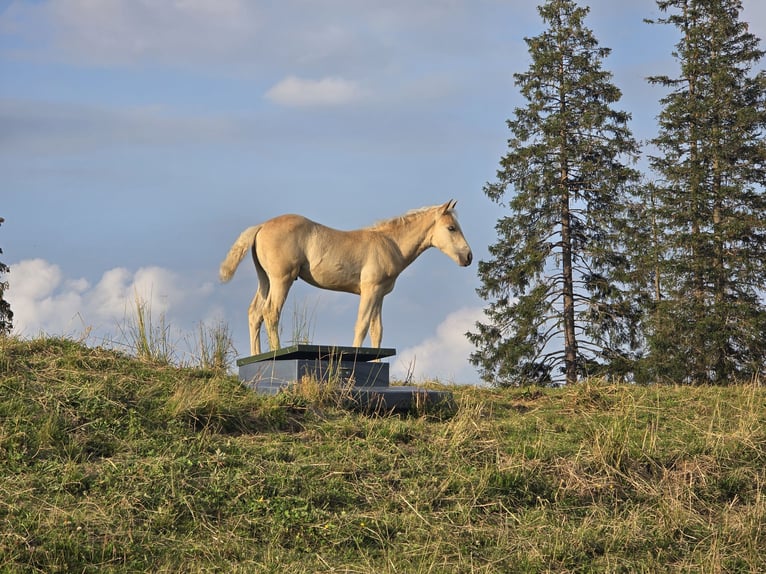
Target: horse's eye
{"x": 451, "y": 228}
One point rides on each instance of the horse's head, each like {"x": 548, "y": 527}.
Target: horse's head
{"x": 448, "y": 237}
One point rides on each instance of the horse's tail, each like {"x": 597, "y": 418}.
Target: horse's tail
{"x": 245, "y": 241}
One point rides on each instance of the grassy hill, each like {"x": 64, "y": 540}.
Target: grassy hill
{"x": 110, "y": 464}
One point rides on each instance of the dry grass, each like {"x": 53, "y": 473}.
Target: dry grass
{"x": 113, "y": 464}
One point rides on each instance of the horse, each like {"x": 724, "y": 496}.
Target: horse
{"x": 365, "y": 261}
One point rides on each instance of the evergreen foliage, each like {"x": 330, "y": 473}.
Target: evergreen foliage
{"x": 706, "y": 254}
{"x": 6, "y": 315}
{"x": 557, "y": 306}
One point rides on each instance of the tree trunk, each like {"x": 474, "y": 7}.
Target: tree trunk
{"x": 570, "y": 342}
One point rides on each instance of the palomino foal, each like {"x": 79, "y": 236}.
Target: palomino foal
{"x": 364, "y": 261}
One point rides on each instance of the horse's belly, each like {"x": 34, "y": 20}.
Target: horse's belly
{"x": 336, "y": 279}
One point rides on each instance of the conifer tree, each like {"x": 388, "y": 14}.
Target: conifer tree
{"x": 556, "y": 306}
{"x": 707, "y": 321}
{"x": 6, "y": 315}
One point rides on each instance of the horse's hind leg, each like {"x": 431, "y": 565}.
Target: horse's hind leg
{"x": 255, "y": 312}
{"x": 272, "y": 308}
{"x": 255, "y": 319}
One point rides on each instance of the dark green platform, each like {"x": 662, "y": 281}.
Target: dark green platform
{"x": 324, "y": 352}
{"x": 358, "y": 369}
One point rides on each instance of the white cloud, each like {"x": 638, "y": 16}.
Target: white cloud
{"x": 36, "y": 278}
{"x": 445, "y": 355}
{"x": 36, "y": 299}
{"x": 114, "y": 32}
{"x": 43, "y": 301}
{"x": 194, "y": 33}
{"x": 299, "y": 92}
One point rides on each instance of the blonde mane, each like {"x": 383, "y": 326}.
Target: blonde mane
{"x": 403, "y": 219}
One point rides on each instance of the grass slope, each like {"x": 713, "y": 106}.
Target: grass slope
{"x": 109, "y": 464}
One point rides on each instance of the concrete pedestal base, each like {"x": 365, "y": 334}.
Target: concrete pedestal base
{"x": 355, "y": 369}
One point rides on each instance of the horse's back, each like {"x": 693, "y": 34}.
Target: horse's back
{"x": 293, "y": 238}
{"x": 288, "y": 223}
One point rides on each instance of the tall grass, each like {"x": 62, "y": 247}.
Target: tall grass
{"x": 303, "y": 323}
{"x": 110, "y": 463}
{"x": 215, "y": 347}
{"x": 149, "y": 340}
{"x": 211, "y": 347}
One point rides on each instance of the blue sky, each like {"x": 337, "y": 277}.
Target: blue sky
{"x": 139, "y": 137}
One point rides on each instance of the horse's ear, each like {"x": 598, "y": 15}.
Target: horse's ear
{"x": 449, "y": 206}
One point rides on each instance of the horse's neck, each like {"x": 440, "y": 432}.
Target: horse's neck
{"x": 412, "y": 237}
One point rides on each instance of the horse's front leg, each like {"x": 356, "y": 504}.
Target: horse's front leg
{"x": 368, "y": 317}
{"x": 376, "y": 324}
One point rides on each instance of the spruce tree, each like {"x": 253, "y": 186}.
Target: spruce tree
{"x": 6, "y": 315}
{"x": 556, "y": 305}
{"x": 707, "y": 321}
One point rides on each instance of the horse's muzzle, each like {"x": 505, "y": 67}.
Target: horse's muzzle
{"x": 466, "y": 261}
